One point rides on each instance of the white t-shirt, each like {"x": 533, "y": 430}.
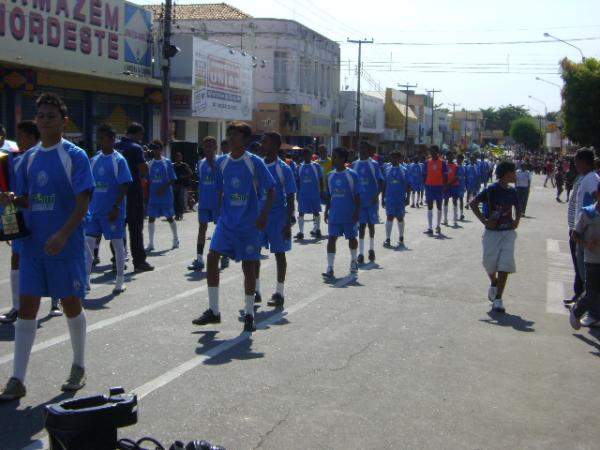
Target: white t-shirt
{"x": 585, "y": 194}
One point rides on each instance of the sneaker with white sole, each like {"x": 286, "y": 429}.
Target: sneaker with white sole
{"x": 14, "y": 390}
{"x": 354, "y": 267}
{"x": 573, "y": 320}
{"x": 76, "y": 379}
{"x": 119, "y": 286}
{"x": 498, "y": 306}
{"x": 588, "y": 320}
{"x": 56, "y": 309}
{"x": 492, "y": 291}
{"x": 10, "y": 316}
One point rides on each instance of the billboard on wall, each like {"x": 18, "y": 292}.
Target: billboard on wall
{"x": 103, "y": 37}
{"x": 222, "y": 82}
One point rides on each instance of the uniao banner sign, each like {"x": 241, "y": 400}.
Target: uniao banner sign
{"x": 222, "y": 82}
{"x": 98, "y": 37}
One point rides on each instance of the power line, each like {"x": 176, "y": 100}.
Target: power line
{"x": 432, "y": 44}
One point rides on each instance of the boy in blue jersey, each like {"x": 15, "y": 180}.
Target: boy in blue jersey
{"x": 240, "y": 177}
{"x": 54, "y": 184}
{"x": 461, "y": 174}
{"x": 161, "y": 176}
{"x": 472, "y": 179}
{"x": 396, "y": 193}
{"x": 416, "y": 183}
{"x": 310, "y": 192}
{"x": 342, "y": 209}
{"x": 370, "y": 186}
{"x": 208, "y": 201}
{"x": 107, "y": 208}
{"x": 278, "y": 232}
{"x": 27, "y": 137}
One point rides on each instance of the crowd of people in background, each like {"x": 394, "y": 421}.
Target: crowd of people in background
{"x": 254, "y": 193}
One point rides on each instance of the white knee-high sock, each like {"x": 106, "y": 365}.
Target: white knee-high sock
{"x": 445, "y": 213}
{"x": 257, "y": 286}
{"x": 430, "y": 218}
{"x": 301, "y": 224}
{"x": 151, "y": 228}
{"x": 77, "y": 331}
{"x": 361, "y": 246}
{"x": 173, "y": 226}
{"x": 89, "y": 255}
{"x": 353, "y": 254}
{"x": 330, "y": 260}
{"x": 455, "y": 212}
{"x": 439, "y": 217}
{"x": 371, "y": 243}
{"x": 401, "y": 228}
{"x": 388, "y": 229}
{"x": 279, "y": 288}
{"x": 24, "y": 337}
{"x": 317, "y": 220}
{"x": 213, "y": 299}
{"x": 119, "y": 256}
{"x": 249, "y": 302}
{"x": 14, "y": 287}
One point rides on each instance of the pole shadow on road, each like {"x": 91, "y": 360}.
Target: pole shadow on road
{"x": 19, "y": 426}
{"x": 509, "y": 320}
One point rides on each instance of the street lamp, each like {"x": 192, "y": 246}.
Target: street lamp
{"x": 548, "y": 35}
{"x": 549, "y": 82}
{"x": 542, "y": 102}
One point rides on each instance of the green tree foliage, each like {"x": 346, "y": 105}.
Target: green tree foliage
{"x": 526, "y": 131}
{"x": 501, "y": 118}
{"x": 553, "y": 116}
{"x": 581, "y": 101}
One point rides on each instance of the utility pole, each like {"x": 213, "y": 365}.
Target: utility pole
{"x": 360, "y": 42}
{"x": 407, "y": 88}
{"x": 168, "y": 51}
{"x": 454, "y": 105}
{"x": 432, "y": 92}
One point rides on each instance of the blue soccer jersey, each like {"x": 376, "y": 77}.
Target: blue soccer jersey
{"x": 342, "y": 188}
{"x": 161, "y": 174}
{"x": 461, "y": 175}
{"x": 239, "y": 181}
{"x": 472, "y": 177}
{"x": 309, "y": 180}
{"x": 207, "y": 190}
{"x": 396, "y": 181}
{"x": 52, "y": 178}
{"x": 370, "y": 177}
{"x": 284, "y": 185}
{"x": 109, "y": 172}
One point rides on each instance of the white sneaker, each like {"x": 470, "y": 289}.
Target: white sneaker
{"x": 587, "y": 320}
{"x": 119, "y": 285}
{"x": 492, "y": 291}
{"x": 498, "y": 306}
{"x": 354, "y": 267}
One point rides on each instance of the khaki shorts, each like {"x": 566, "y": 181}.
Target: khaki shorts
{"x": 499, "y": 251}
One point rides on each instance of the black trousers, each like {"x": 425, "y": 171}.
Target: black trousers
{"x": 135, "y": 225}
{"x": 578, "y": 279}
{"x": 591, "y": 299}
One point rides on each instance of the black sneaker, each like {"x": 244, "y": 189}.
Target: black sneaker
{"x": 412, "y": 206}
{"x": 10, "y": 316}
{"x": 224, "y": 262}
{"x": 371, "y": 255}
{"x": 276, "y": 300}
{"x": 401, "y": 241}
{"x": 299, "y": 236}
{"x": 143, "y": 267}
{"x": 569, "y": 301}
{"x": 438, "y": 230}
{"x": 329, "y": 274}
{"x": 360, "y": 259}
{"x": 96, "y": 261}
{"x": 312, "y": 232}
{"x": 257, "y": 297}
{"x": 249, "y": 324}
{"x": 318, "y": 234}
{"x": 207, "y": 317}
{"x": 462, "y": 217}
{"x": 387, "y": 243}
{"x": 196, "y": 266}
{"x": 114, "y": 267}
{"x": 429, "y": 231}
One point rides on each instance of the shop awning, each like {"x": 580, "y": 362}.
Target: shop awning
{"x": 394, "y": 114}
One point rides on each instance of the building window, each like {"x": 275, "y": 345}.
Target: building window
{"x": 280, "y": 71}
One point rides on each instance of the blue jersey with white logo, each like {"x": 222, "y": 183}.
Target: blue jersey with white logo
{"x": 342, "y": 188}
{"x": 109, "y": 172}
{"x": 309, "y": 180}
{"x": 207, "y": 188}
{"x": 52, "y": 178}
{"x": 240, "y": 180}
{"x": 396, "y": 181}
{"x": 284, "y": 185}
{"x": 472, "y": 176}
{"x": 370, "y": 177}
{"x": 161, "y": 174}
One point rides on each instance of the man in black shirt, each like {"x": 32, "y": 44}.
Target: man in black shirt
{"x": 130, "y": 148}
{"x": 184, "y": 178}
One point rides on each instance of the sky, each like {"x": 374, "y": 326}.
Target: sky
{"x": 472, "y": 76}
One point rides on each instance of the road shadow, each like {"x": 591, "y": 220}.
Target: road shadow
{"x": 402, "y": 248}
{"x": 509, "y": 320}
{"x": 7, "y": 332}
{"x": 19, "y": 426}
{"x": 195, "y": 276}
{"x": 591, "y": 342}
{"x": 99, "y": 303}
{"x": 157, "y": 253}
{"x": 261, "y": 316}
{"x": 442, "y": 237}
{"x": 239, "y": 352}
{"x": 310, "y": 241}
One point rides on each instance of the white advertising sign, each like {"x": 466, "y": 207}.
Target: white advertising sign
{"x": 222, "y": 82}
{"x": 104, "y": 37}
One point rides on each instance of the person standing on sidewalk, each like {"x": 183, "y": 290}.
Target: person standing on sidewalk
{"x": 130, "y": 148}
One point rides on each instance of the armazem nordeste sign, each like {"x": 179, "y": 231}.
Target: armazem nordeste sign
{"x": 98, "y": 37}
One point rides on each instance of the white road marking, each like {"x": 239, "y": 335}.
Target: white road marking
{"x": 560, "y": 272}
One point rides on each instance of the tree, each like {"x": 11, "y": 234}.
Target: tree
{"x": 526, "y": 131}
{"x": 581, "y": 101}
{"x": 553, "y": 116}
{"x": 501, "y": 118}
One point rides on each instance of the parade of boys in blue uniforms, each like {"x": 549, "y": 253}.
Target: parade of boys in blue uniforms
{"x": 310, "y": 182}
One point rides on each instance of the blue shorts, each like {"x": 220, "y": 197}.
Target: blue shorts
{"x": 272, "y": 236}
{"x": 417, "y": 187}
{"x": 56, "y": 278}
{"x": 16, "y": 246}
{"x": 161, "y": 210}
{"x": 207, "y": 215}
{"x": 244, "y": 246}
{"x": 96, "y": 226}
{"x": 309, "y": 205}
{"x": 395, "y": 209}
{"x": 434, "y": 193}
{"x": 473, "y": 188}
{"x": 348, "y": 230}
{"x": 369, "y": 214}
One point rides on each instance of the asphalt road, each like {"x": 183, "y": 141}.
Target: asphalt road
{"x": 408, "y": 355}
